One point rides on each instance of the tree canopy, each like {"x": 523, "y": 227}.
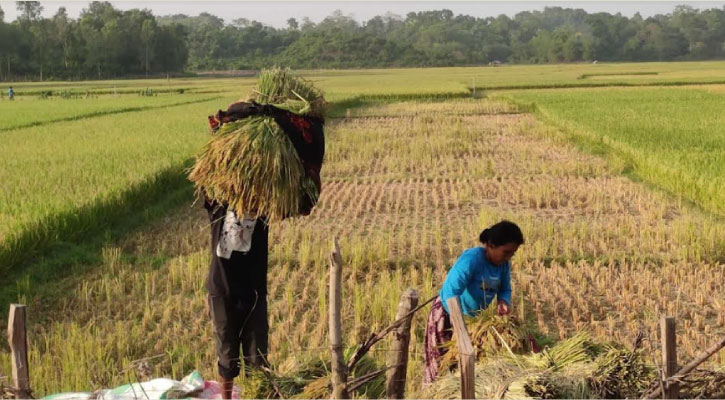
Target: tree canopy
{"x": 104, "y": 42}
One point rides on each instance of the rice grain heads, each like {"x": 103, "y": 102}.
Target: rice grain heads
{"x": 281, "y": 87}
{"x": 250, "y": 164}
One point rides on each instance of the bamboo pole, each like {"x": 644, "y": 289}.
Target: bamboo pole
{"x": 19, "y": 347}
{"x": 669, "y": 356}
{"x": 467, "y": 356}
{"x": 398, "y": 356}
{"x": 378, "y": 336}
{"x": 339, "y": 370}
{"x": 702, "y": 357}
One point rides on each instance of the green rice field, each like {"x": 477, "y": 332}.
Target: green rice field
{"x": 671, "y": 137}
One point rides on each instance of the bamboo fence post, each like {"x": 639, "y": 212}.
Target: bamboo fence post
{"x": 398, "y": 356}
{"x": 669, "y": 356}
{"x": 339, "y": 369}
{"x": 699, "y": 359}
{"x": 19, "y": 347}
{"x": 467, "y": 360}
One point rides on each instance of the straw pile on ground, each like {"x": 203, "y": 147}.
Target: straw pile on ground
{"x": 703, "y": 384}
{"x": 574, "y": 368}
{"x": 310, "y": 379}
{"x": 490, "y": 334}
{"x": 507, "y": 368}
{"x": 251, "y": 165}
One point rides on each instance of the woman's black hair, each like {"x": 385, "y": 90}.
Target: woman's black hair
{"x": 502, "y": 233}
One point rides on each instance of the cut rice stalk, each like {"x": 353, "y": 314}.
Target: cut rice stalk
{"x": 251, "y": 165}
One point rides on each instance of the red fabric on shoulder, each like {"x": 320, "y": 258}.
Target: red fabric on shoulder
{"x": 303, "y": 126}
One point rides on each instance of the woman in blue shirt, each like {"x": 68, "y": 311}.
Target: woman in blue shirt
{"x": 479, "y": 275}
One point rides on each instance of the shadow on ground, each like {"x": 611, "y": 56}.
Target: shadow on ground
{"x": 70, "y": 243}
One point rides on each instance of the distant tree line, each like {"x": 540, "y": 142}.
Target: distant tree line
{"x": 105, "y": 42}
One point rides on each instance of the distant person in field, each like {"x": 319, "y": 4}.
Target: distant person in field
{"x": 480, "y": 274}
{"x": 11, "y": 93}
{"x": 237, "y": 279}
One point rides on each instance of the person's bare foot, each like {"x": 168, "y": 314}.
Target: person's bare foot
{"x": 227, "y": 386}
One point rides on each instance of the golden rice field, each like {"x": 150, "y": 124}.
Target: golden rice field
{"x": 408, "y": 184}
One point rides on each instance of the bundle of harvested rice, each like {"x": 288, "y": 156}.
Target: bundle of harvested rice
{"x": 703, "y": 384}
{"x": 490, "y": 334}
{"x": 251, "y": 165}
{"x": 282, "y": 88}
{"x": 621, "y": 373}
{"x": 309, "y": 379}
{"x": 492, "y": 379}
{"x": 322, "y": 387}
{"x": 559, "y": 372}
{"x": 564, "y": 369}
{"x": 576, "y": 368}
{"x": 534, "y": 386}
{"x": 545, "y": 385}
{"x": 576, "y": 349}
{"x": 261, "y": 384}
{"x": 568, "y": 382}
{"x": 502, "y": 378}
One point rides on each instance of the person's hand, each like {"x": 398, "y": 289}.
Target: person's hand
{"x": 503, "y": 308}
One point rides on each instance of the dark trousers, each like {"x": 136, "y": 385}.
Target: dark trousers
{"x": 239, "y": 323}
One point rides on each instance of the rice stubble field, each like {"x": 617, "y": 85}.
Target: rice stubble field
{"x": 407, "y": 185}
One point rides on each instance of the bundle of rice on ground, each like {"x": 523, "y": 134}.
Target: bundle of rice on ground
{"x": 251, "y": 164}
{"x": 310, "y": 379}
{"x": 621, "y": 373}
{"x": 490, "y": 334}
{"x": 321, "y": 388}
{"x": 567, "y": 383}
{"x": 543, "y": 375}
{"x": 703, "y": 384}
{"x": 576, "y": 368}
{"x": 573, "y": 368}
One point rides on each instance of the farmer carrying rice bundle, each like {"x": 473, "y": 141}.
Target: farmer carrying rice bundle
{"x": 479, "y": 275}
{"x": 262, "y": 164}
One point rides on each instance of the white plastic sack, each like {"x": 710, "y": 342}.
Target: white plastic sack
{"x": 193, "y": 385}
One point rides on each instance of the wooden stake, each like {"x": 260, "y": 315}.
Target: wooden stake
{"x": 339, "y": 370}
{"x": 19, "y": 348}
{"x": 702, "y": 357}
{"x": 398, "y": 356}
{"x": 378, "y": 336}
{"x": 669, "y": 356}
{"x": 467, "y": 362}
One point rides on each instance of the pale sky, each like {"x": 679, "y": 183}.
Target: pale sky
{"x": 276, "y": 13}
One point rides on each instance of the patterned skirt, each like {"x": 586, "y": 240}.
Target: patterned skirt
{"x": 438, "y": 331}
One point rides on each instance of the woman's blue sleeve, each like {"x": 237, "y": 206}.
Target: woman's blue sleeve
{"x": 504, "y": 292}
{"x": 457, "y": 279}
